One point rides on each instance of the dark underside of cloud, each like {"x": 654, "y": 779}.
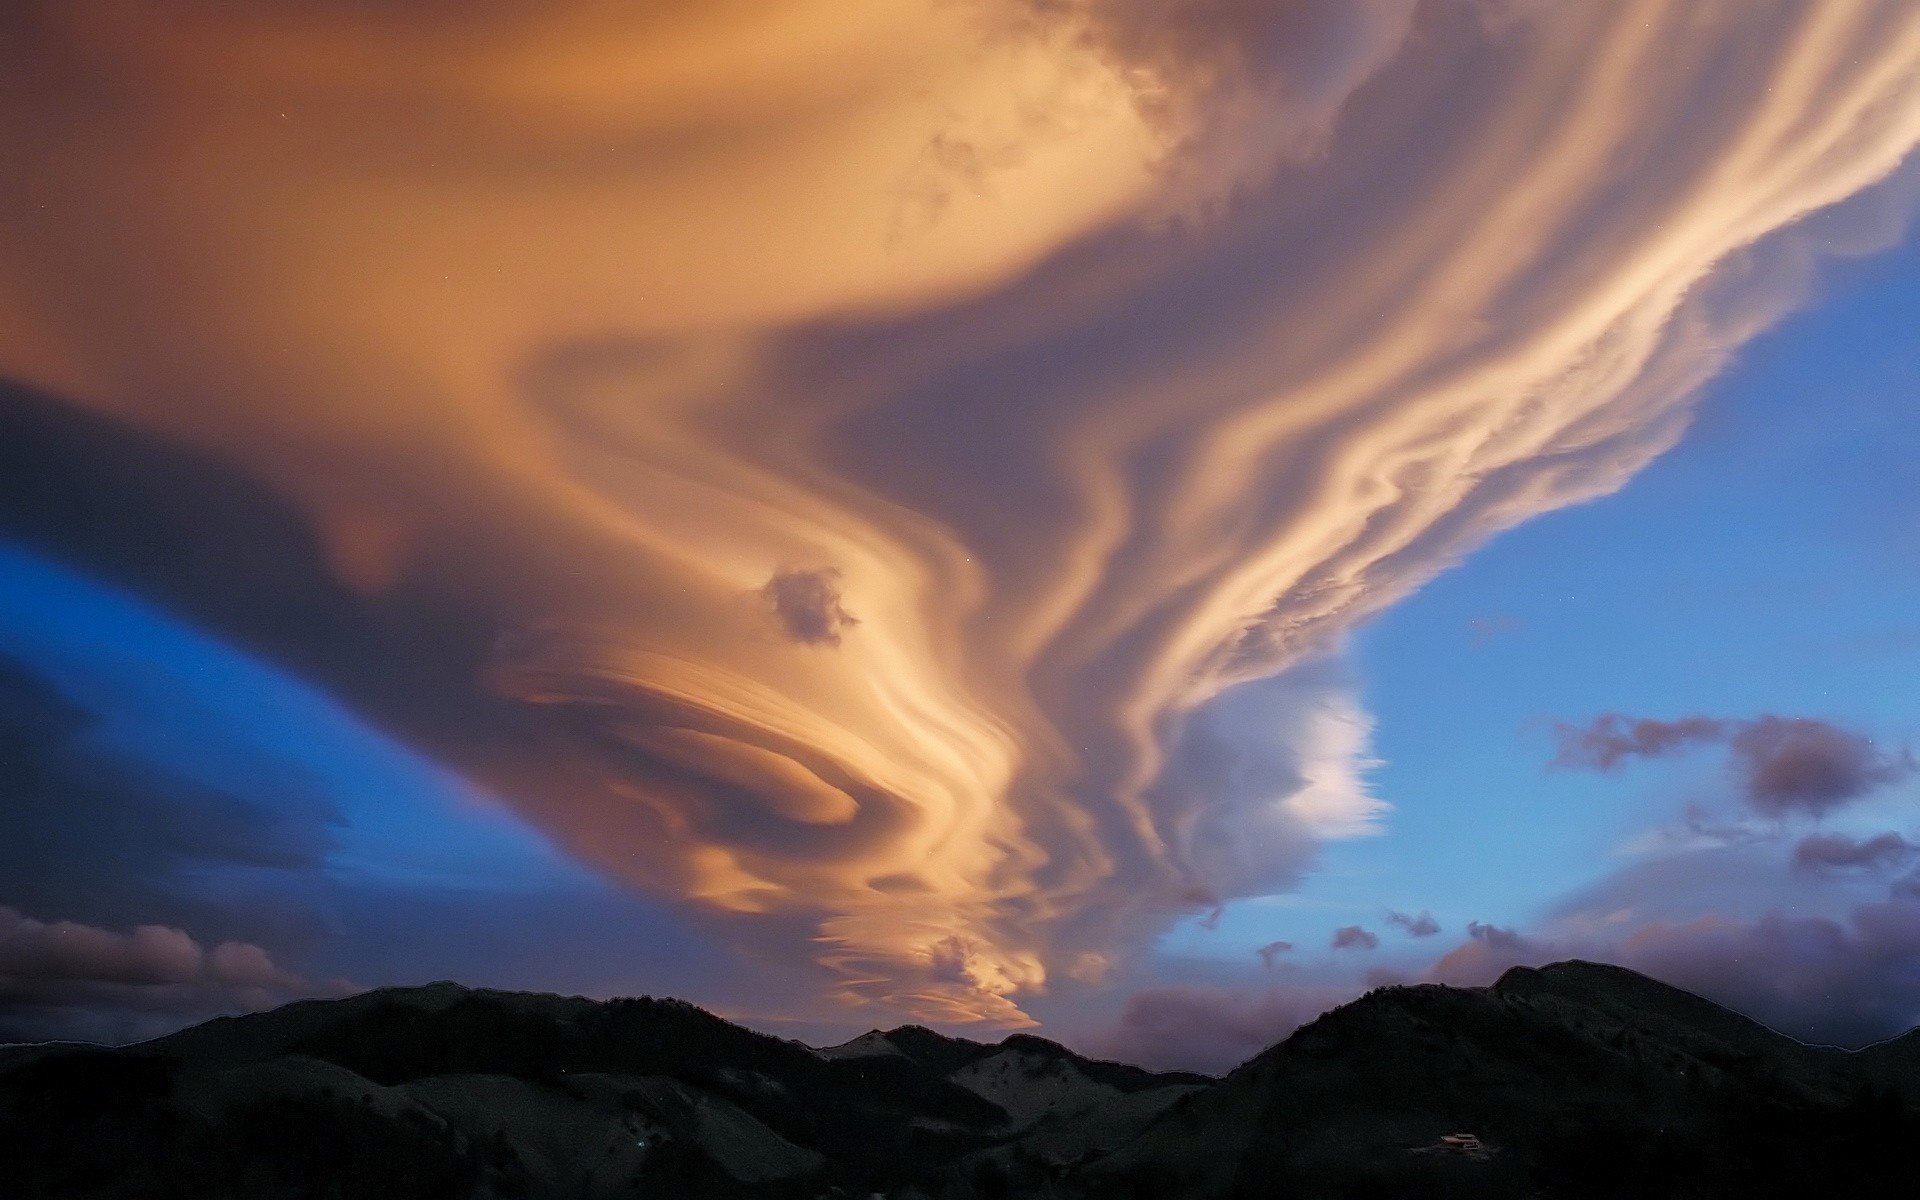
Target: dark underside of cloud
{"x": 90, "y": 832}
{"x": 193, "y": 533}
{"x": 206, "y": 542}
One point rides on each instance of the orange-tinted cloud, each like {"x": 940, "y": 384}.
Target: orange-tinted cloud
{"x": 1095, "y": 356}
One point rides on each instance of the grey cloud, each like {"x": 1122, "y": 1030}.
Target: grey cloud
{"x": 1494, "y": 936}
{"x": 1271, "y": 952}
{"x": 1205, "y": 898}
{"x": 1781, "y": 765}
{"x": 808, "y": 605}
{"x": 1419, "y": 926}
{"x": 1837, "y": 851}
{"x": 1488, "y": 951}
{"x": 1791, "y": 764}
{"x": 63, "y": 979}
{"x": 1353, "y": 937}
{"x": 1207, "y": 1028}
{"x": 1846, "y": 982}
{"x": 1612, "y": 739}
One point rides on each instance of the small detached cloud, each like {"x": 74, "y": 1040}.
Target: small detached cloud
{"x": 1354, "y": 937}
{"x": 62, "y": 979}
{"x": 1790, "y": 764}
{"x": 1613, "y": 739}
{"x": 1783, "y": 766}
{"x": 808, "y": 605}
{"x": 1416, "y": 926}
{"x": 1271, "y": 952}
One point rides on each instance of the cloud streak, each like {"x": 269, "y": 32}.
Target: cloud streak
{"x": 1102, "y": 358}
{"x": 1836, "y": 851}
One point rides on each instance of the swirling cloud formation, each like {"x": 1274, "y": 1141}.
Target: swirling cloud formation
{"x": 814, "y": 458}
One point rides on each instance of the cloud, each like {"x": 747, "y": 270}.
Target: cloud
{"x": 1846, "y": 981}
{"x": 1837, "y": 851}
{"x": 1701, "y": 829}
{"x": 62, "y": 979}
{"x": 1209, "y": 1029}
{"x": 1353, "y": 937}
{"x": 1271, "y": 952}
{"x": 1119, "y": 358}
{"x": 87, "y": 827}
{"x": 1782, "y": 765}
{"x": 1253, "y": 784}
{"x": 808, "y": 606}
{"x": 1488, "y": 950}
{"x": 1846, "y": 978}
{"x": 1421, "y": 926}
{"x": 1793, "y": 765}
{"x": 1612, "y": 739}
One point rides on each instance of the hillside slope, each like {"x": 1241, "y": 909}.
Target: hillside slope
{"x": 1573, "y": 1080}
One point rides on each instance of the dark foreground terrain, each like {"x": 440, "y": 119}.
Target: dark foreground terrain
{"x": 1573, "y": 1080}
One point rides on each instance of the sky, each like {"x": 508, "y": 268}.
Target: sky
{"x": 1136, "y": 521}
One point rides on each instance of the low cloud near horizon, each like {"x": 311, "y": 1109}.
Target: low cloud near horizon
{"x": 63, "y": 980}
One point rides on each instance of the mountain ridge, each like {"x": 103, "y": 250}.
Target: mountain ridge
{"x": 1573, "y": 1079}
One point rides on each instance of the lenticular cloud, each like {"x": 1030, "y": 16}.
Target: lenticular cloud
{"x": 834, "y": 450}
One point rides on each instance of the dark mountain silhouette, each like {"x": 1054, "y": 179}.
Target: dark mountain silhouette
{"x": 1572, "y": 1080}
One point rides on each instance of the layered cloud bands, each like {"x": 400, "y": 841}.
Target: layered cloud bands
{"x": 813, "y": 458}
